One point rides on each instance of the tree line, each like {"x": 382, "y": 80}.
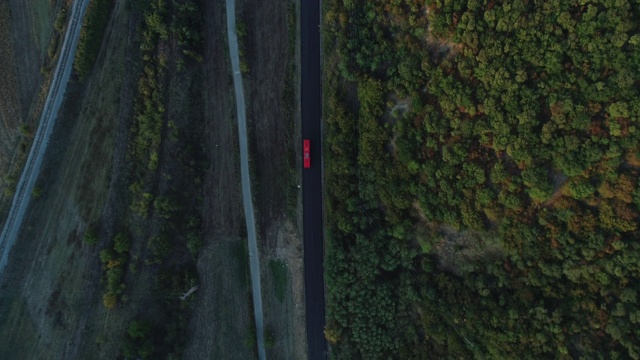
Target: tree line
{"x": 93, "y": 29}
{"x": 160, "y": 232}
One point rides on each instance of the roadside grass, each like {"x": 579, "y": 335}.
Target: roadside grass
{"x": 283, "y": 290}
{"x": 289, "y": 182}
{"x": 55, "y": 298}
{"x": 279, "y": 274}
{"x": 289, "y": 102}
{"x": 240, "y": 255}
{"x": 15, "y": 339}
{"x": 42, "y": 11}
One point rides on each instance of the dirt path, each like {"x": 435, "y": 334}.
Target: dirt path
{"x": 254, "y": 261}
{"x": 36, "y": 155}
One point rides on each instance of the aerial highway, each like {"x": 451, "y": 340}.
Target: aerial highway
{"x": 52, "y": 104}
{"x": 310, "y": 95}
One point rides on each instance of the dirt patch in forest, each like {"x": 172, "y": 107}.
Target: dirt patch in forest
{"x": 461, "y": 252}
{"x": 559, "y": 180}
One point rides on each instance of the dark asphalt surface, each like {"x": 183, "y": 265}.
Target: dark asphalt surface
{"x": 312, "y": 178}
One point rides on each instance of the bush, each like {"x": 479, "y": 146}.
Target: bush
{"x": 194, "y": 243}
{"x": 90, "y": 237}
{"x": 269, "y": 339}
{"x": 60, "y": 20}
{"x": 26, "y": 130}
{"x": 10, "y": 183}
{"x": 109, "y": 300}
{"x": 122, "y": 243}
{"x": 53, "y": 46}
{"x": 36, "y": 192}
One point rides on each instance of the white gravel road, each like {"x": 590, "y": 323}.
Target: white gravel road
{"x": 47, "y": 122}
{"x": 254, "y": 262}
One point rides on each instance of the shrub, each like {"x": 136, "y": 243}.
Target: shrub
{"x": 60, "y": 20}
{"x": 122, "y": 243}
{"x": 91, "y": 237}
{"x": 36, "y": 192}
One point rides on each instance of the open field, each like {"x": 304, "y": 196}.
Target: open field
{"x": 32, "y": 39}
{"x": 9, "y": 99}
{"x": 55, "y": 276}
{"x": 20, "y": 61}
{"x": 32, "y": 24}
{"x": 9, "y": 91}
{"x": 267, "y": 44}
{"x": 54, "y": 301}
{"x": 222, "y": 324}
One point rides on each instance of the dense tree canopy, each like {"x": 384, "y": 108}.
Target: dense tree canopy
{"x": 488, "y": 206}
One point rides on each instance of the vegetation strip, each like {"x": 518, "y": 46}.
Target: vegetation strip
{"x": 95, "y": 23}
{"x": 158, "y": 236}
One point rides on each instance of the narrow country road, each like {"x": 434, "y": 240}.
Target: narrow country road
{"x": 311, "y": 106}
{"x": 47, "y": 122}
{"x": 254, "y": 262}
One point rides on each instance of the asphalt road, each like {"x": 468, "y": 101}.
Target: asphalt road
{"x": 41, "y": 139}
{"x": 254, "y": 263}
{"x": 312, "y": 178}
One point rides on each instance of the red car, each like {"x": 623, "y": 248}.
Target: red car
{"x": 307, "y": 158}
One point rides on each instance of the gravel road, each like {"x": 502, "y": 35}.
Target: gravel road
{"x": 47, "y": 122}
{"x": 254, "y": 262}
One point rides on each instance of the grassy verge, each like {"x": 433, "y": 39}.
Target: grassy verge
{"x": 278, "y": 270}
{"x": 289, "y": 104}
{"x": 242, "y": 261}
{"x": 42, "y": 10}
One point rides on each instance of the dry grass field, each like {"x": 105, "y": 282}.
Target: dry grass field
{"x": 52, "y": 306}
{"x": 52, "y": 302}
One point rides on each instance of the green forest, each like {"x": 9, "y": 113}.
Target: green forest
{"x": 482, "y": 179}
